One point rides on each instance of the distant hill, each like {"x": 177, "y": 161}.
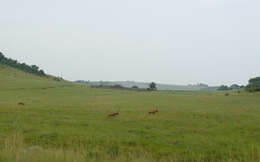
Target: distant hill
{"x": 142, "y": 85}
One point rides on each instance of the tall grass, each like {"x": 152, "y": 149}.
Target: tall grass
{"x": 15, "y": 150}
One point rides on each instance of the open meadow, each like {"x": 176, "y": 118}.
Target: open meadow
{"x": 63, "y": 121}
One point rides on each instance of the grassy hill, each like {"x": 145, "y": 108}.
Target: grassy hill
{"x": 64, "y": 121}
{"x": 12, "y": 79}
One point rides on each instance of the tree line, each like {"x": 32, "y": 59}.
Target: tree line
{"x": 21, "y": 66}
{"x": 232, "y": 87}
{"x": 253, "y": 86}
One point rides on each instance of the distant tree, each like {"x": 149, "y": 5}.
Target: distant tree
{"x": 1, "y": 56}
{"x": 42, "y": 73}
{"x": 135, "y": 87}
{"x": 254, "y": 80}
{"x": 254, "y": 85}
{"x": 203, "y": 85}
{"x": 224, "y": 88}
{"x": 35, "y": 68}
{"x": 234, "y": 86}
{"x": 152, "y": 86}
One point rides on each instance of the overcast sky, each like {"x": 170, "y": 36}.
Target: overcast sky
{"x": 166, "y": 41}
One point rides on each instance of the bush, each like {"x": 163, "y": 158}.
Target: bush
{"x": 226, "y": 94}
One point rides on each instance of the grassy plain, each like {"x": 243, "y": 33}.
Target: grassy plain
{"x": 63, "y": 121}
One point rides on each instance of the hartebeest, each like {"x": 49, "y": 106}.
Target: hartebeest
{"x": 113, "y": 114}
{"x": 153, "y": 111}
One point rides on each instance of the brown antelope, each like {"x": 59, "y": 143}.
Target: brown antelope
{"x": 153, "y": 111}
{"x": 21, "y": 103}
{"x": 113, "y": 114}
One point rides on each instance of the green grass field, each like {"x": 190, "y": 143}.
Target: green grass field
{"x": 63, "y": 121}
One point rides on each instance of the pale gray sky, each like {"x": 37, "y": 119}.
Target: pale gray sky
{"x": 167, "y": 41}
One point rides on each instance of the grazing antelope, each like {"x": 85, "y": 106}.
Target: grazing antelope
{"x": 153, "y": 111}
{"x": 21, "y": 103}
{"x": 113, "y": 114}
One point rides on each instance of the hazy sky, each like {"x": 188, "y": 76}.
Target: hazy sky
{"x": 167, "y": 41}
